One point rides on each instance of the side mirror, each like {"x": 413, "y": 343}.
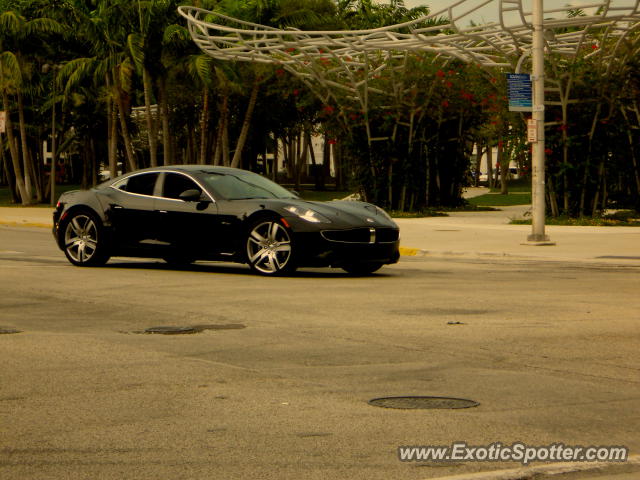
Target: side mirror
{"x": 191, "y": 195}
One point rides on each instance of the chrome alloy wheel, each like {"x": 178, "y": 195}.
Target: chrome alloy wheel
{"x": 81, "y": 239}
{"x": 269, "y": 248}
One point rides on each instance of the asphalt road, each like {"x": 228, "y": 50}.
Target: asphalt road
{"x": 277, "y": 386}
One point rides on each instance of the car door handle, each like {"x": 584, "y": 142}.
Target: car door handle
{"x": 117, "y": 207}
{"x": 162, "y": 211}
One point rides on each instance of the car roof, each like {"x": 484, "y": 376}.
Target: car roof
{"x": 194, "y": 168}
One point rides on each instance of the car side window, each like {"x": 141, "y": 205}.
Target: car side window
{"x": 175, "y": 184}
{"x": 143, "y": 184}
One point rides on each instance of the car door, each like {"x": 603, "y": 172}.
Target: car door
{"x": 131, "y": 211}
{"x": 189, "y": 226}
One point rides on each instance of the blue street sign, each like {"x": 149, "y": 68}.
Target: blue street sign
{"x": 520, "y": 92}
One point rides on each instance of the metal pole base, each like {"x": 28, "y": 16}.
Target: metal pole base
{"x": 538, "y": 240}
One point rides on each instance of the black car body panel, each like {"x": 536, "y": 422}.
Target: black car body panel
{"x": 141, "y": 214}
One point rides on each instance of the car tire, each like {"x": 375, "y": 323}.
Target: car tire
{"x": 269, "y": 247}
{"x": 362, "y": 269}
{"x": 83, "y": 239}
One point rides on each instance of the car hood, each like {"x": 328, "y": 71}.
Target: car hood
{"x": 345, "y": 213}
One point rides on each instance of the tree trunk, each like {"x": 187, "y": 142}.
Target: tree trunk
{"x": 26, "y": 161}
{"x": 587, "y": 163}
{"x": 274, "y": 166}
{"x": 112, "y": 131}
{"x": 390, "y": 184}
{"x": 13, "y": 150}
{"x": 15, "y": 197}
{"x": 217, "y": 144}
{"x": 113, "y": 140}
{"x": 427, "y": 180}
{"x": 94, "y": 163}
{"x": 124, "y": 129}
{"x": 326, "y": 158}
{"x": 490, "y": 166}
{"x": 52, "y": 170}
{"x": 601, "y": 185}
{"x": 152, "y": 126}
{"x": 632, "y": 151}
{"x": 164, "y": 114}
{"x": 204, "y": 123}
{"x": 224, "y": 142}
{"x": 337, "y": 159}
{"x": 504, "y": 169}
{"x": 479, "y": 151}
{"x": 237, "y": 156}
{"x": 553, "y": 201}
{"x": 302, "y": 159}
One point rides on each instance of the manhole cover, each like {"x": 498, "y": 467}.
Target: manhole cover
{"x": 6, "y": 331}
{"x": 415, "y": 403}
{"x": 172, "y": 330}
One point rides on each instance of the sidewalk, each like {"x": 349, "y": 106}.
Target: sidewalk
{"x": 489, "y": 235}
{"x": 27, "y": 216}
{"x": 485, "y": 235}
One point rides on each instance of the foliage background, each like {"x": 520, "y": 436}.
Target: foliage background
{"x": 120, "y": 85}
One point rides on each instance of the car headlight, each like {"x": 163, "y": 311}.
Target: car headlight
{"x": 307, "y": 214}
{"x": 378, "y": 211}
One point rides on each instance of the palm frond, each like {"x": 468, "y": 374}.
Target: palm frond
{"x": 200, "y": 68}
{"x": 10, "y": 69}
{"x": 135, "y": 45}
{"x": 74, "y": 72}
{"x": 10, "y": 22}
{"x": 175, "y": 34}
{"x": 43, "y": 25}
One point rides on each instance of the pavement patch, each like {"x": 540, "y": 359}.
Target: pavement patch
{"x": 8, "y": 331}
{"x": 171, "y": 330}
{"x": 190, "y": 329}
{"x": 423, "y": 403}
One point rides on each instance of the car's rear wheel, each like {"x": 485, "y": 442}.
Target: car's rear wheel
{"x": 269, "y": 248}
{"x": 362, "y": 268}
{"x": 83, "y": 239}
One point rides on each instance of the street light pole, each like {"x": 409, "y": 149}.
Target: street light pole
{"x": 538, "y": 235}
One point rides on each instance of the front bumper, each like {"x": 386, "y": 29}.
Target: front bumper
{"x": 319, "y": 249}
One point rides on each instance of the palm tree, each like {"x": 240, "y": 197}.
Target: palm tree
{"x": 16, "y": 34}
{"x": 158, "y": 32}
{"x": 108, "y": 64}
{"x": 9, "y": 82}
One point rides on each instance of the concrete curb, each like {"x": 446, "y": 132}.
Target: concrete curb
{"x": 530, "y": 472}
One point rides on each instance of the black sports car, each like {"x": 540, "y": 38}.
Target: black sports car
{"x": 194, "y": 212}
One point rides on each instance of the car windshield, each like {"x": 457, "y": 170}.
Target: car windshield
{"x": 244, "y": 185}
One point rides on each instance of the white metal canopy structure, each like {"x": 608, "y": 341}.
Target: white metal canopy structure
{"x": 347, "y": 61}
{"x": 449, "y": 32}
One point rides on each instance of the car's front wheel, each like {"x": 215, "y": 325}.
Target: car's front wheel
{"x": 83, "y": 239}
{"x": 269, "y": 248}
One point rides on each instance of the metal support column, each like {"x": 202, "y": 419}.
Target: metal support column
{"x": 538, "y": 235}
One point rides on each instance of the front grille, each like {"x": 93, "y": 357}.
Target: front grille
{"x": 362, "y": 235}
{"x": 387, "y": 235}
